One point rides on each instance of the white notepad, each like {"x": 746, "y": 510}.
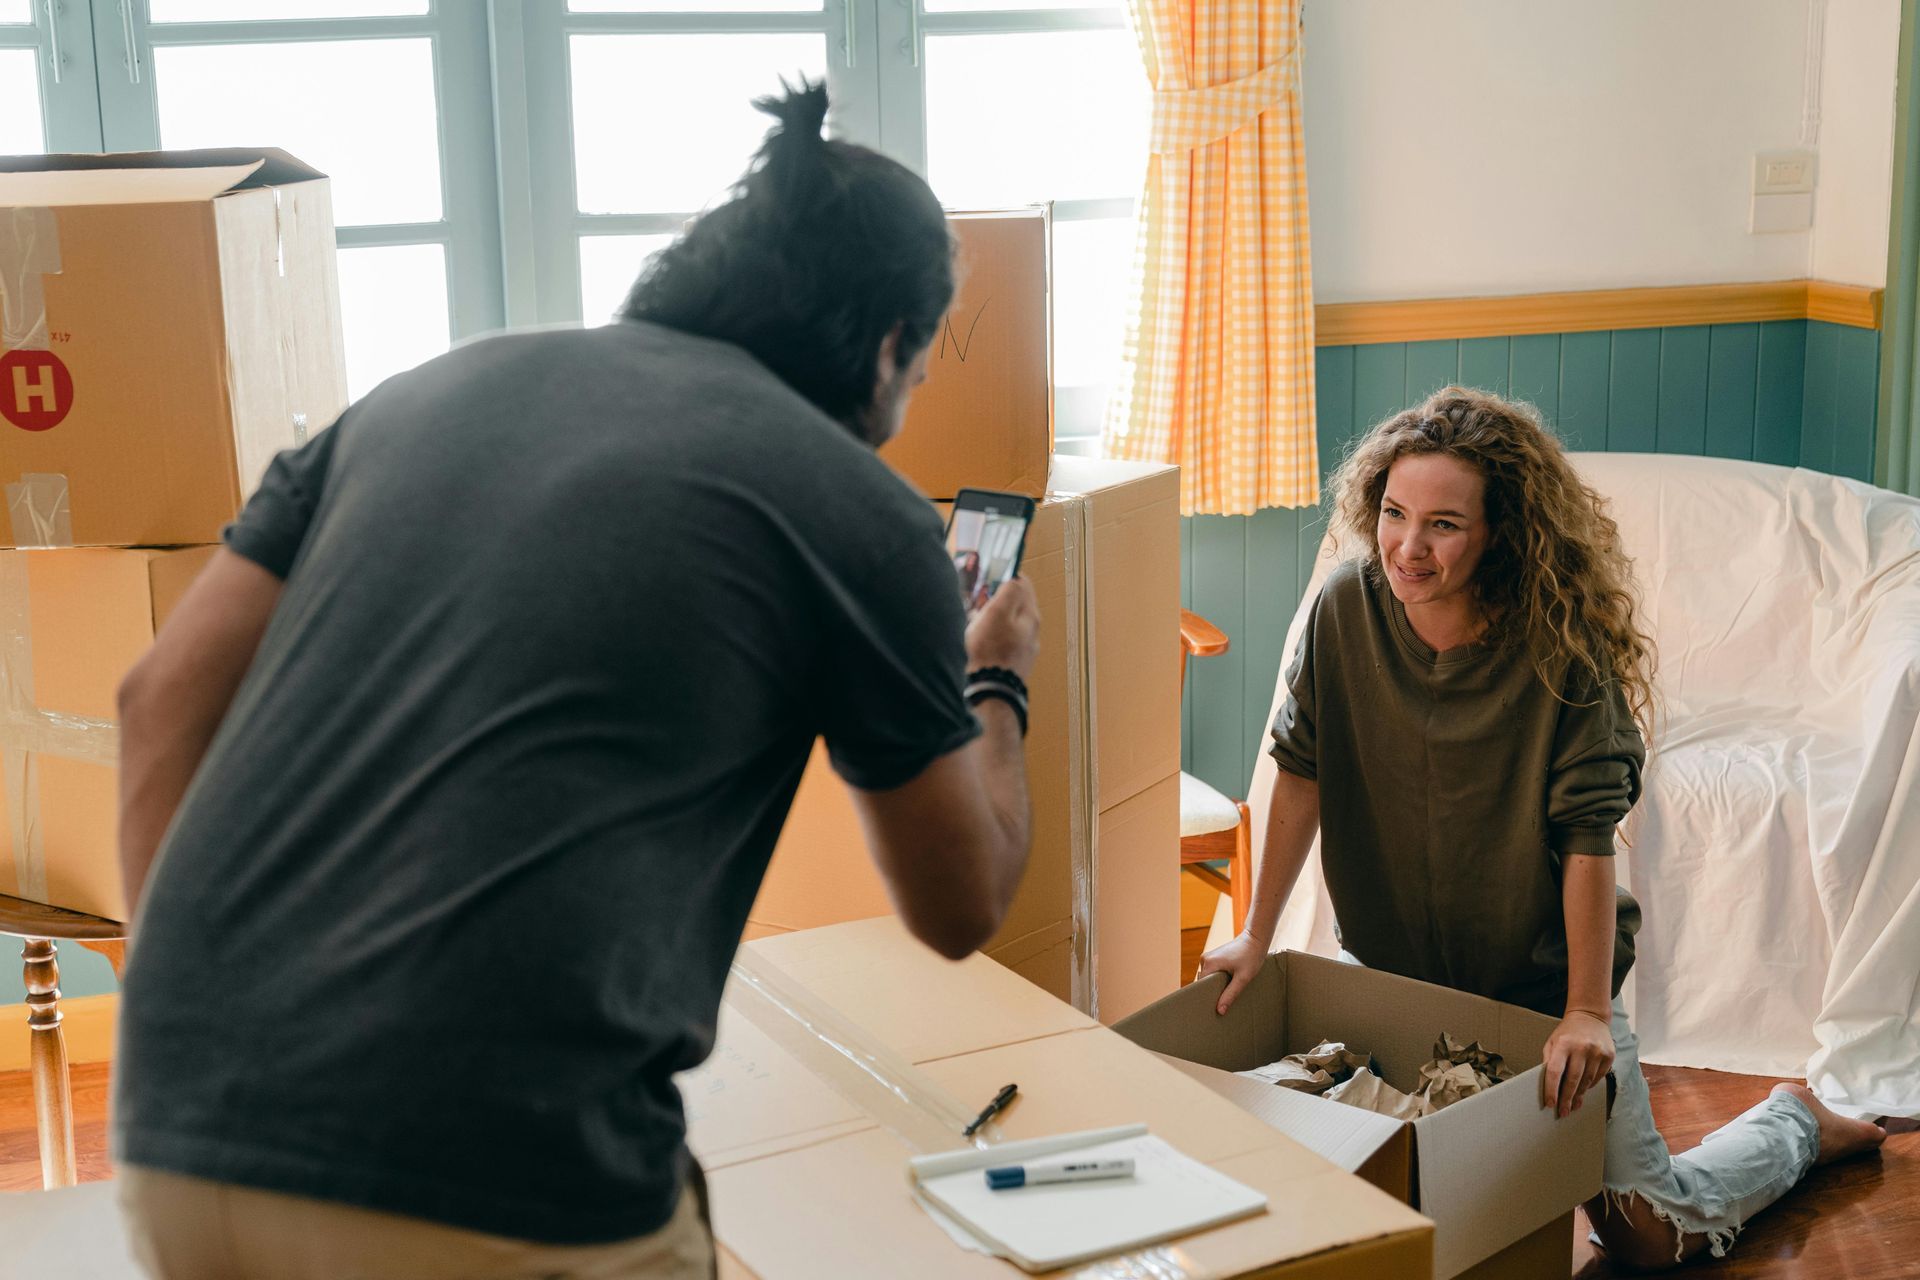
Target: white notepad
{"x": 1040, "y": 1228}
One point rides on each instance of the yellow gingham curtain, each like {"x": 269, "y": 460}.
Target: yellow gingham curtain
{"x": 1218, "y": 360}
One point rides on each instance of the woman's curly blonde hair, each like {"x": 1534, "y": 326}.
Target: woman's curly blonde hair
{"x": 1553, "y": 582}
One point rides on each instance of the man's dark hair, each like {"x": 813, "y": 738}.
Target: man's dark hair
{"x": 823, "y": 248}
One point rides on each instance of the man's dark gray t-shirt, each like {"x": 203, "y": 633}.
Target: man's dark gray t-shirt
{"x": 454, "y": 892}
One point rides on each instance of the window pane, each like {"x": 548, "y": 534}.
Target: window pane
{"x": 694, "y": 6}
{"x": 16, "y": 11}
{"x": 253, "y": 10}
{"x": 1092, "y": 265}
{"x": 665, "y": 123}
{"x": 1005, "y": 127}
{"x": 1002, "y": 6}
{"x": 382, "y": 149}
{"x": 20, "y": 130}
{"x": 608, "y": 267}
{"x": 393, "y": 305}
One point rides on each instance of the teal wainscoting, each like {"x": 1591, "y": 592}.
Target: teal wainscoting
{"x": 1794, "y": 392}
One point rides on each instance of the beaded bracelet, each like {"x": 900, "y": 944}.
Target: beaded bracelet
{"x": 998, "y": 675}
{"x": 980, "y": 691}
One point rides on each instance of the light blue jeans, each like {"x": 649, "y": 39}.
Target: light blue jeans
{"x": 1736, "y": 1171}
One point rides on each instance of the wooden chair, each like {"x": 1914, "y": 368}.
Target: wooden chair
{"x": 39, "y": 925}
{"x": 1212, "y": 827}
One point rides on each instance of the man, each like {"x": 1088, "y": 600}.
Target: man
{"x": 492, "y": 708}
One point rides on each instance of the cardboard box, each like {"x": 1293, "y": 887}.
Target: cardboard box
{"x": 805, "y": 1143}
{"x": 173, "y": 321}
{"x": 984, "y": 417}
{"x": 72, "y": 623}
{"x": 1495, "y": 1172}
{"x": 1096, "y": 920}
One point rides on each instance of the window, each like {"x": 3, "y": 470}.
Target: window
{"x": 508, "y": 163}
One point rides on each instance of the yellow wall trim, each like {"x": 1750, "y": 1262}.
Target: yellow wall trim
{"x": 87, "y": 1023}
{"x": 1844, "y": 304}
{"x": 1339, "y": 324}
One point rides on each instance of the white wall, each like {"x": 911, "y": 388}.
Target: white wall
{"x": 1464, "y": 147}
{"x": 1855, "y": 192}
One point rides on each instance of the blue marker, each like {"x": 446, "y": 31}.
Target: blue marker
{"x": 1007, "y": 1177}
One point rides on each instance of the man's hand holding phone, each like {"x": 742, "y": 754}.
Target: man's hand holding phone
{"x": 1006, "y": 633}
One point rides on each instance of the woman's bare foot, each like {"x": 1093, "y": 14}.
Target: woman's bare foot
{"x": 1840, "y": 1136}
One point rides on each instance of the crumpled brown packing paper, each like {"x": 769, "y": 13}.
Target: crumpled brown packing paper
{"x": 1457, "y": 1071}
{"x": 1316, "y": 1071}
{"x": 1369, "y": 1092}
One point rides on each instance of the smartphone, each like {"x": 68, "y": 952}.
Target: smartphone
{"x": 985, "y": 535}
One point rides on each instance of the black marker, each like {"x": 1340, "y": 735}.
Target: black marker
{"x": 1000, "y": 1100}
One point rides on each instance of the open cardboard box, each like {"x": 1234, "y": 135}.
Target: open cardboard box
{"x": 843, "y": 1051}
{"x": 1498, "y": 1174}
{"x": 176, "y": 324}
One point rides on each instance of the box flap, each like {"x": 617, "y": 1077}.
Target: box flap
{"x": 919, "y": 1005}
{"x": 53, "y": 188}
{"x": 1073, "y": 475}
{"x": 267, "y": 166}
{"x": 1345, "y": 1136}
{"x": 1545, "y": 1165}
{"x": 1184, "y": 1025}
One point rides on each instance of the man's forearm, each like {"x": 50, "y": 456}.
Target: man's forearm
{"x": 1004, "y": 766}
{"x": 158, "y": 758}
{"x": 1293, "y": 818}
{"x": 1589, "y": 902}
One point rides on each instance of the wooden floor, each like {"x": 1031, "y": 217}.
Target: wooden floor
{"x": 1856, "y": 1221}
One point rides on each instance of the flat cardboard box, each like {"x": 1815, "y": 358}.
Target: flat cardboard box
{"x": 984, "y": 417}
{"x": 805, "y": 1143}
{"x": 72, "y": 623}
{"x": 177, "y": 324}
{"x": 1096, "y": 920}
{"x": 1495, "y": 1171}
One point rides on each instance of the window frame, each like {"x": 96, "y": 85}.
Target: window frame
{"x": 502, "y": 80}
{"x": 69, "y": 104}
{"x": 468, "y": 228}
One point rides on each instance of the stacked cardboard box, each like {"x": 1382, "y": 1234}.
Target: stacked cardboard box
{"x": 984, "y": 417}
{"x": 1096, "y": 920}
{"x": 171, "y": 323}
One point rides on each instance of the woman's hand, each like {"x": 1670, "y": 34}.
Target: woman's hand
{"x": 1578, "y": 1056}
{"x": 1239, "y": 958}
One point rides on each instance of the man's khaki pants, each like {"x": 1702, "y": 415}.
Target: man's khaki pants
{"x": 189, "y": 1229}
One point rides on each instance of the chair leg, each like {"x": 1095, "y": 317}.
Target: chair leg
{"x": 52, "y": 1098}
{"x": 1240, "y": 870}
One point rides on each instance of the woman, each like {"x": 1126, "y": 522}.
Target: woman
{"x": 1465, "y": 727}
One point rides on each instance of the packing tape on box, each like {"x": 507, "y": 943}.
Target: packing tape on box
{"x": 29, "y": 250}
{"x": 892, "y": 1091}
{"x": 847, "y": 1058}
{"x": 40, "y": 508}
{"x": 27, "y": 733}
{"x": 1083, "y": 793}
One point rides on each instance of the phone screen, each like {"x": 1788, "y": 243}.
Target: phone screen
{"x": 984, "y": 544}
